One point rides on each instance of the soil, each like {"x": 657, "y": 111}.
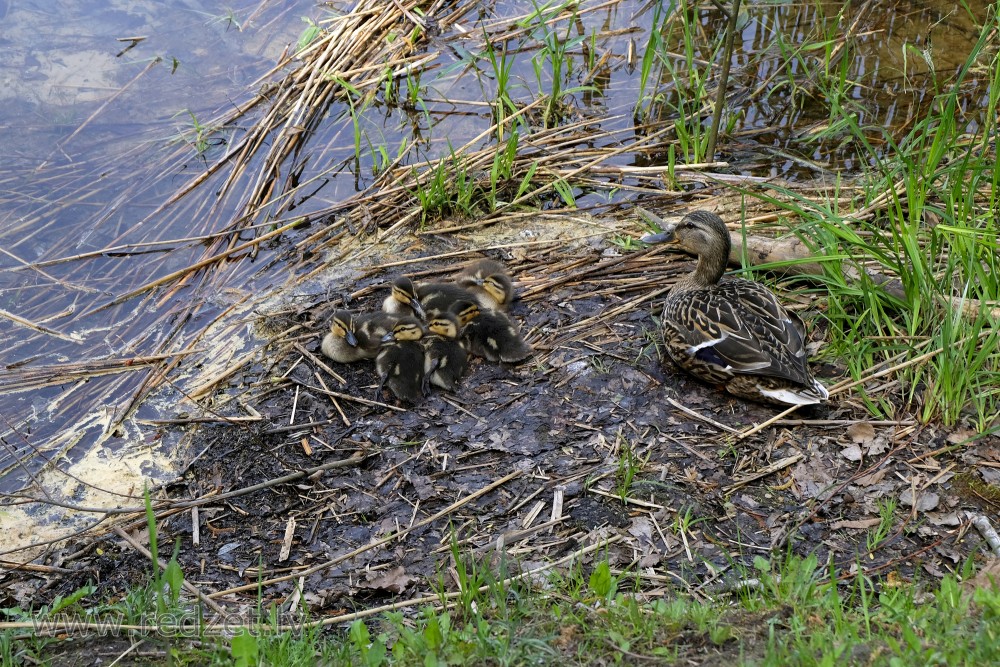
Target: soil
{"x": 592, "y": 417}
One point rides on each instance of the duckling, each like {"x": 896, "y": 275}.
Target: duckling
{"x": 489, "y": 281}
{"x": 438, "y": 297}
{"x": 341, "y": 343}
{"x": 445, "y": 354}
{"x": 400, "y": 360}
{"x": 490, "y": 334}
{"x": 731, "y": 332}
{"x": 403, "y": 299}
{"x": 370, "y": 328}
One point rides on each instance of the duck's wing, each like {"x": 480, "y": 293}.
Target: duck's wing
{"x": 738, "y": 327}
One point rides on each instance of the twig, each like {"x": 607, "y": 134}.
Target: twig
{"x": 767, "y": 470}
{"x": 697, "y": 415}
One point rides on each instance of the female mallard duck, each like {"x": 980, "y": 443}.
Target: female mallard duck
{"x": 489, "y": 281}
{"x": 445, "y": 356}
{"x": 731, "y": 331}
{"x": 400, "y": 360}
{"x": 341, "y": 343}
{"x": 490, "y": 334}
{"x": 403, "y": 299}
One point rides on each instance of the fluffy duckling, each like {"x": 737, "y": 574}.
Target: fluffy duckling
{"x": 370, "y": 328}
{"x": 445, "y": 355}
{"x": 490, "y": 334}
{"x": 729, "y": 331}
{"x": 400, "y": 360}
{"x": 438, "y": 297}
{"x": 403, "y": 299}
{"x": 489, "y": 281}
{"x": 341, "y": 343}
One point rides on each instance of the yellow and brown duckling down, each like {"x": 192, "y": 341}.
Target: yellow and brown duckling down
{"x": 341, "y": 342}
{"x": 730, "y": 331}
{"x": 403, "y": 300}
{"x": 490, "y": 334}
{"x": 445, "y": 356}
{"x": 400, "y": 360}
{"x": 353, "y": 337}
{"x": 489, "y": 282}
{"x": 425, "y": 331}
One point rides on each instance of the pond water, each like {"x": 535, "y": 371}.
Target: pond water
{"x": 110, "y": 109}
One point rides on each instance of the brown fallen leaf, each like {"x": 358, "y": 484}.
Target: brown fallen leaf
{"x": 861, "y": 432}
{"x": 871, "y": 478}
{"x": 395, "y": 581}
{"x": 987, "y": 577}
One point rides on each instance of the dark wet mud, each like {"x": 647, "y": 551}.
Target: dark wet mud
{"x": 599, "y": 444}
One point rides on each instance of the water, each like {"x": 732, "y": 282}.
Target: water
{"x": 99, "y": 139}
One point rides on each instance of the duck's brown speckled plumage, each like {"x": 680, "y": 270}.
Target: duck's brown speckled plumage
{"x": 730, "y": 331}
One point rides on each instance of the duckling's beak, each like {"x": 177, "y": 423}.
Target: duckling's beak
{"x": 666, "y": 236}
{"x": 351, "y": 339}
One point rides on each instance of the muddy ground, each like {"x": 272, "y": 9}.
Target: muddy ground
{"x": 592, "y": 417}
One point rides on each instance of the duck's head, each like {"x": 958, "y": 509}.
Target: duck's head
{"x": 342, "y": 326}
{"x": 404, "y": 292}
{"x": 465, "y": 311}
{"x": 700, "y": 233}
{"x": 489, "y": 276}
{"x": 446, "y": 325}
{"x": 407, "y": 328}
{"x": 498, "y": 286}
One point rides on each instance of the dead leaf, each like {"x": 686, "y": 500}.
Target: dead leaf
{"x": 925, "y": 501}
{"x": 650, "y": 560}
{"x": 852, "y": 453}
{"x": 961, "y": 435}
{"x": 877, "y": 446}
{"x": 987, "y": 577}
{"x": 642, "y": 529}
{"x": 951, "y": 519}
{"x": 395, "y": 581}
{"x": 811, "y": 477}
{"x": 861, "y": 432}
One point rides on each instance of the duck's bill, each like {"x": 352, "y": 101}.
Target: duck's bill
{"x": 662, "y": 237}
{"x": 388, "y": 337}
{"x": 351, "y": 339}
{"x": 666, "y": 236}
